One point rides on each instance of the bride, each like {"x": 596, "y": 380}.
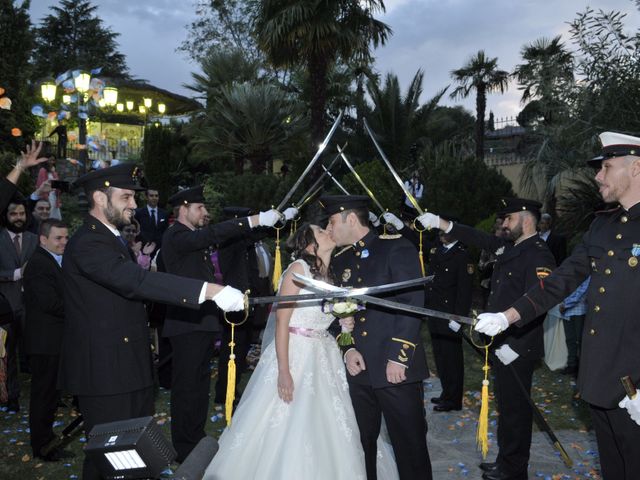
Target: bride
{"x": 295, "y": 419}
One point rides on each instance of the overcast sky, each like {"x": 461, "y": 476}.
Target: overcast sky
{"x": 435, "y": 35}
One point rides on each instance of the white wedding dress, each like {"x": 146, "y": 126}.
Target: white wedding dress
{"x": 314, "y": 437}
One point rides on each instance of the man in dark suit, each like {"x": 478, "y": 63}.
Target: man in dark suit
{"x": 387, "y": 363}
{"x": 192, "y": 332}
{"x": 16, "y": 247}
{"x": 523, "y": 260}
{"x": 105, "y": 355}
{"x": 450, "y": 291}
{"x": 557, "y": 243}
{"x": 44, "y": 315}
{"x": 152, "y": 219}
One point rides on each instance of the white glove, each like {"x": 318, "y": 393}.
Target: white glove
{"x": 429, "y": 220}
{"x": 454, "y": 326}
{"x": 491, "y": 323}
{"x": 229, "y": 299}
{"x": 290, "y": 213}
{"x": 374, "y": 220}
{"x": 632, "y": 406}
{"x": 393, "y": 220}
{"x": 506, "y": 354}
{"x": 269, "y": 218}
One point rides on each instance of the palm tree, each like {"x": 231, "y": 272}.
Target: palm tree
{"x": 401, "y": 119}
{"x": 315, "y": 34}
{"x": 249, "y": 123}
{"x": 545, "y": 78}
{"x": 482, "y": 75}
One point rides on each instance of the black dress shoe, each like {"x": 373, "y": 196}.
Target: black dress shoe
{"x": 488, "y": 466}
{"x": 56, "y": 456}
{"x": 498, "y": 474}
{"x": 446, "y": 406}
{"x": 436, "y": 400}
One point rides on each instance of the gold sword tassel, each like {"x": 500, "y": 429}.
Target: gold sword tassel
{"x": 231, "y": 364}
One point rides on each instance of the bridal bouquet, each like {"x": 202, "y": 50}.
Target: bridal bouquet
{"x": 342, "y": 309}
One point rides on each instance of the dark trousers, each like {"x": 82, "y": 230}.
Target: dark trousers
{"x": 241, "y": 338}
{"x": 44, "y": 398}
{"x": 13, "y": 382}
{"x": 403, "y": 410}
{"x": 98, "y": 409}
{"x": 190, "y": 386}
{"x": 447, "y": 351}
{"x": 573, "y": 337}
{"x": 618, "y": 438}
{"x": 516, "y": 417}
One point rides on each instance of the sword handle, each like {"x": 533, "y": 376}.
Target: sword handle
{"x": 629, "y": 387}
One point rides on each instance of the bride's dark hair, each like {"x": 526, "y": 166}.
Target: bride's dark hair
{"x": 299, "y": 241}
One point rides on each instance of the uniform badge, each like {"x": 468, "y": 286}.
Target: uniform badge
{"x": 346, "y": 275}
{"x": 500, "y": 251}
{"x": 364, "y": 254}
{"x": 542, "y": 273}
{"x": 433, "y": 250}
{"x": 470, "y": 268}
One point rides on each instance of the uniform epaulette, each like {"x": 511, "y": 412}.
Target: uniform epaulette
{"x": 342, "y": 251}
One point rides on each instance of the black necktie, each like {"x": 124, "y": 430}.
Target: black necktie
{"x": 153, "y": 216}
{"x": 16, "y": 243}
{"x": 123, "y": 241}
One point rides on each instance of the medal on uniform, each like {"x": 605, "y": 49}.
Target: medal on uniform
{"x": 364, "y": 254}
{"x": 346, "y": 275}
{"x": 635, "y": 251}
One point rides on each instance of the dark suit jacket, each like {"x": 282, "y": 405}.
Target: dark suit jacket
{"x": 105, "y": 346}
{"x": 9, "y": 261}
{"x": 558, "y": 246}
{"x": 149, "y": 231}
{"x": 609, "y": 253}
{"x": 517, "y": 269}
{"x": 452, "y": 284}
{"x": 44, "y": 308}
{"x": 185, "y": 252}
{"x": 381, "y": 334}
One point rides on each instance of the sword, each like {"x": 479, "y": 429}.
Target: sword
{"x": 328, "y": 291}
{"x": 316, "y": 185}
{"x": 359, "y": 179}
{"x": 315, "y": 158}
{"x": 335, "y": 180}
{"x": 406, "y": 191}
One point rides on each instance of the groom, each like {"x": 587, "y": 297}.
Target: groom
{"x": 387, "y": 363}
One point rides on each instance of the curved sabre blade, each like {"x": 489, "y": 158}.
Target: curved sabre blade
{"x": 315, "y": 158}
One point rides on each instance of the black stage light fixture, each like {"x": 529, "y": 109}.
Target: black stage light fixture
{"x": 129, "y": 449}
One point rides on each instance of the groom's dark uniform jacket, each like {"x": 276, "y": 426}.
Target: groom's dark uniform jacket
{"x": 381, "y": 334}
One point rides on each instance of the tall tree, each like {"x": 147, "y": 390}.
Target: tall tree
{"x": 16, "y": 43}
{"x": 479, "y": 74}
{"x": 222, "y": 25}
{"x": 400, "y": 119}
{"x": 315, "y": 34}
{"x": 74, "y": 37}
{"x": 545, "y": 77}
